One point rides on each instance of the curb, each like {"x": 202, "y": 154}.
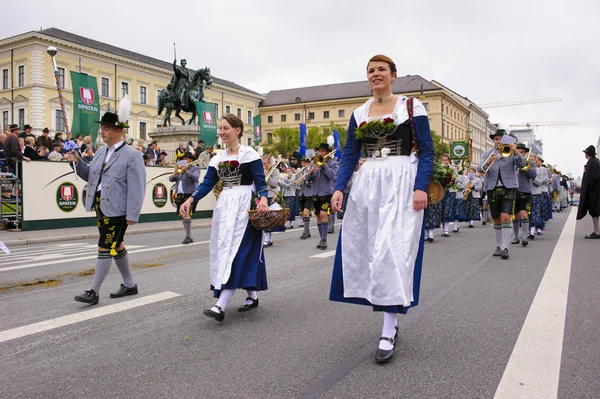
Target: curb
{"x": 44, "y": 240}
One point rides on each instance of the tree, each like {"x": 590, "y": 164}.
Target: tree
{"x": 439, "y": 148}
{"x": 285, "y": 141}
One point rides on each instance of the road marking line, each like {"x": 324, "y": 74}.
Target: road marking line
{"x": 61, "y": 253}
{"x": 324, "y": 255}
{"x": 533, "y": 369}
{"x": 53, "y": 262}
{"x": 62, "y": 321}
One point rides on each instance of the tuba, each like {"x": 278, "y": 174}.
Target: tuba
{"x": 435, "y": 192}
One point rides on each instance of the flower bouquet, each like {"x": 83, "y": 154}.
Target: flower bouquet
{"x": 375, "y": 128}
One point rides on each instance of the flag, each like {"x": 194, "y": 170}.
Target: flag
{"x": 207, "y": 124}
{"x": 302, "y": 140}
{"x": 86, "y": 103}
{"x": 257, "y": 129}
{"x": 337, "y": 144}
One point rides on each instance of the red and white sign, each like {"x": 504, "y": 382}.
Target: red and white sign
{"x": 87, "y": 95}
{"x": 208, "y": 117}
{"x": 66, "y": 193}
{"x": 159, "y": 191}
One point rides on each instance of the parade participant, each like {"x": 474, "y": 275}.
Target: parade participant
{"x": 186, "y": 181}
{"x": 288, "y": 188}
{"x": 459, "y": 200}
{"x": 537, "y": 199}
{"x": 305, "y": 195}
{"x": 271, "y": 172}
{"x": 522, "y": 205}
{"x": 236, "y": 257}
{"x": 501, "y": 184}
{"x": 116, "y": 185}
{"x": 472, "y": 199}
{"x": 547, "y": 211}
{"x": 554, "y": 191}
{"x": 589, "y": 200}
{"x": 435, "y": 212}
{"x": 346, "y": 191}
{"x": 322, "y": 178}
{"x": 449, "y": 200}
{"x": 380, "y": 248}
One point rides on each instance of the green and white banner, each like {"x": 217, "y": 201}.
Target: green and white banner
{"x": 207, "y": 122}
{"x": 86, "y": 105}
{"x": 459, "y": 149}
{"x": 257, "y": 129}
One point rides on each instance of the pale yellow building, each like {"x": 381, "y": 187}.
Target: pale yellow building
{"x": 28, "y": 93}
{"x": 450, "y": 115}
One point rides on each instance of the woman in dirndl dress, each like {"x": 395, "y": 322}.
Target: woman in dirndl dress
{"x": 449, "y": 200}
{"x": 380, "y": 249}
{"x": 236, "y": 256}
{"x": 472, "y": 202}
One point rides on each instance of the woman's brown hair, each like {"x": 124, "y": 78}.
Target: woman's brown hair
{"x": 383, "y": 58}
{"x": 235, "y": 122}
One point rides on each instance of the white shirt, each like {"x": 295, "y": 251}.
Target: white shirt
{"x": 111, "y": 150}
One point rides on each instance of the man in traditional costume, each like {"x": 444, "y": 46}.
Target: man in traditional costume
{"x": 186, "y": 181}
{"x": 589, "y": 200}
{"x": 523, "y": 201}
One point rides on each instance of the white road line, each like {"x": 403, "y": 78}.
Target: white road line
{"x": 53, "y": 262}
{"x": 324, "y": 255}
{"x": 533, "y": 369}
{"x": 62, "y": 321}
{"x": 60, "y": 253}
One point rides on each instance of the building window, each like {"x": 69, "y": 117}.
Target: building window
{"x": 426, "y": 106}
{"x": 124, "y": 89}
{"x": 142, "y": 95}
{"x": 283, "y": 118}
{"x": 249, "y": 141}
{"x": 341, "y": 113}
{"x": 61, "y": 77}
{"x": 270, "y": 119}
{"x": 5, "y": 119}
{"x": 60, "y": 122}
{"x": 104, "y": 87}
{"x": 311, "y": 116}
{"x": 227, "y": 109}
{"x": 21, "y": 75}
{"x": 5, "y": 79}
{"x": 325, "y": 114}
{"x": 249, "y": 117}
{"x": 216, "y": 110}
{"x": 239, "y": 113}
{"x": 143, "y": 130}
{"x": 269, "y": 138}
{"x": 296, "y": 117}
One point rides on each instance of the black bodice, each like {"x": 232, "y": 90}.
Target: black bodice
{"x": 398, "y": 142}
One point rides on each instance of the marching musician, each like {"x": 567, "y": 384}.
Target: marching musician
{"x": 537, "y": 204}
{"x": 288, "y": 187}
{"x": 449, "y": 200}
{"x": 305, "y": 195}
{"x": 547, "y": 210}
{"x": 116, "y": 185}
{"x": 555, "y": 190}
{"x": 472, "y": 200}
{"x": 322, "y": 179}
{"x": 501, "y": 183}
{"x": 459, "y": 202}
{"x": 272, "y": 176}
{"x": 523, "y": 203}
{"x": 186, "y": 181}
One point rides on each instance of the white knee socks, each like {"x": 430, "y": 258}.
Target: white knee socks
{"x": 224, "y": 298}
{"x": 389, "y": 330}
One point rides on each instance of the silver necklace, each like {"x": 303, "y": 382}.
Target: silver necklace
{"x": 232, "y": 149}
{"x": 383, "y": 99}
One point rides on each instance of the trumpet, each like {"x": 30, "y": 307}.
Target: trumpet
{"x": 527, "y": 163}
{"x": 320, "y": 160}
{"x": 179, "y": 169}
{"x": 272, "y": 168}
{"x": 505, "y": 152}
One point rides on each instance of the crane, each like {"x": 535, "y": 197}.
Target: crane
{"x": 552, "y": 123}
{"x": 515, "y": 103}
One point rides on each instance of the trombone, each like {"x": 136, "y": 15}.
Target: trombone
{"x": 272, "y": 168}
{"x": 320, "y": 160}
{"x": 179, "y": 169}
{"x": 505, "y": 152}
{"x": 527, "y": 162}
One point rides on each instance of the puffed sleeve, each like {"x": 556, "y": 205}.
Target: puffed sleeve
{"x": 210, "y": 179}
{"x": 349, "y": 157}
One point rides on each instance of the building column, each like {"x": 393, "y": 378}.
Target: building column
{"x": 38, "y": 95}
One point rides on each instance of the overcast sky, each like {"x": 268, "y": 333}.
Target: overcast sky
{"x": 489, "y": 51}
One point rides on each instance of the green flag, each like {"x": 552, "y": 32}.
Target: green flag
{"x": 207, "y": 123}
{"x": 257, "y": 129}
{"x": 86, "y": 103}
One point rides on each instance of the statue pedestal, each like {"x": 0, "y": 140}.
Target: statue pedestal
{"x": 170, "y": 137}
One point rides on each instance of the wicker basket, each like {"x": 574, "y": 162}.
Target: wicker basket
{"x": 270, "y": 219}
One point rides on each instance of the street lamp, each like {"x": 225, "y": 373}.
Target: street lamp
{"x": 407, "y": 83}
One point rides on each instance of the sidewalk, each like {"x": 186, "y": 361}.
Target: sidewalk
{"x": 14, "y": 238}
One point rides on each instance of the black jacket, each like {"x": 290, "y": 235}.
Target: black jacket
{"x": 589, "y": 200}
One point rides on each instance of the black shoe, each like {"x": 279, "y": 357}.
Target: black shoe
{"x": 187, "y": 240}
{"x": 124, "y": 291}
{"x": 322, "y": 244}
{"x": 218, "y": 316}
{"x": 539, "y": 233}
{"x": 515, "y": 241}
{"x": 497, "y": 252}
{"x": 593, "y": 236}
{"x": 331, "y": 230}
{"x": 305, "y": 236}
{"x": 445, "y": 234}
{"x": 484, "y": 222}
{"x": 430, "y": 239}
{"x": 504, "y": 254}
{"x": 524, "y": 243}
{"x": 384, "y": 356}
{"x": 470, "y": 226}
{"x": 455, "y": 230}
{"x": 531, "y": 237}
{"x": 90, "y": 297}
{"x": 247, "y": 307}
{"x": 267, "y": 243}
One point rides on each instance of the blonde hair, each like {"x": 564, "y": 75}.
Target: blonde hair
{"x": 29, "y": 140}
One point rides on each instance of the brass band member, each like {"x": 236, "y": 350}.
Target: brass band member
{"x": 523, "y": 202}
{"x": 273, "y": 186}
{"x": 186, "y": 181}
{"x": 305, "y": 196}
{"x": 536, "y": 221}
{"x": 501, "y": 183}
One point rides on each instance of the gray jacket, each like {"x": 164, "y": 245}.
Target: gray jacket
{"x": 477, "y": 186}
{"x": 288, "y": 187}
{"x": 189, "y": 180}
{"x": 461, "y": 184}
{"x": 526, "y": 180}
{"x": 273, "y": 183}
{"x": 537, "y": 182}
{"x": 123, "y": 182}
{"x": 305, "y": 187}
{"x": 504, "y": 168}
{"x": 323, "y": 179}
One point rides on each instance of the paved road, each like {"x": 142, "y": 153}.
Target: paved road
{"x": 456, "y": 344}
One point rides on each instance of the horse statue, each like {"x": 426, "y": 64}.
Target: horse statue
{"x": 181, "y": 94}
